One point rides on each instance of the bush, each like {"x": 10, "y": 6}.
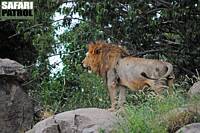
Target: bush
{"x": 57, "y": 94}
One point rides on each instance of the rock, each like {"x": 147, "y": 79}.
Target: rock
{"x": 190, "y": 128}
{"x": 12, "y": 69}
{"x": 16, "y": 109}
{"x": 195, "y": 89}
{"x": 178, "y": 117}
{"x": 86, "y": 120}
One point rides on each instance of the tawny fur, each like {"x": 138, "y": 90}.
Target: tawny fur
{"x": 120, "y": 70}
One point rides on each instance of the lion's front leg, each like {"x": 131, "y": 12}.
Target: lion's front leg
{"x": 112, "y": 83}
{"x": 112, "y": 93}
{"x": 122, "y": 96}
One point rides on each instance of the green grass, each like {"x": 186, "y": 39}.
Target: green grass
{"x": 147, "y": 117}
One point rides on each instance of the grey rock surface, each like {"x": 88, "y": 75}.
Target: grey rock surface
{"x": 85, "y": 120}
{"x": 195, "y": 89}
{"x": 12, "y": 69}
{"x": 190, "y": 128}
{"x": 16, "y": 109}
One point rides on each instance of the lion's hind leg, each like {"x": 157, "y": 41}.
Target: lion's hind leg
{"x": 158, "y": 86}
{"x": 161, "y": 86}
{"x": 170, "y": 83}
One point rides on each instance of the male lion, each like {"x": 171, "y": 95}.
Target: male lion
{"x": 120, "y": 70}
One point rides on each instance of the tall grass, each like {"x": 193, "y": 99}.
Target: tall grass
{"x": 147, "y": 117}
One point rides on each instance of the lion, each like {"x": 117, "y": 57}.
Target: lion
{"x": 120, "y": 70}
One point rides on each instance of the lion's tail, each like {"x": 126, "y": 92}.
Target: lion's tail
{"x": 169, "y": 71}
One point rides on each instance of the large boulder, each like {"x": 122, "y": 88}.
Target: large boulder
{"x": 190, "y": 128}
{"x": 12, "y": 69}
{"x": 16, "y": 109}
{"x": 86, "y": 120}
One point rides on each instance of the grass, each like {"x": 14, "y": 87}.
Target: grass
{"x": 148, "y": 116}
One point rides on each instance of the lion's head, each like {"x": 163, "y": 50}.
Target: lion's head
{"x": 102, "y": 56}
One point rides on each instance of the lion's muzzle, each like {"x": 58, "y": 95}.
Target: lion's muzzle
{"x": 86, "y": 66}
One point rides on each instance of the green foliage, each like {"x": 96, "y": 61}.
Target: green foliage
{"x": 95, "y": 85}
{"x": 61, "y": 93}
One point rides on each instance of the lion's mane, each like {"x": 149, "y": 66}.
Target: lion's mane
{"x": 107, "y": 56}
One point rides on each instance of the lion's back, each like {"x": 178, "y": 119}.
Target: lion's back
{"x": 131, "y": 68}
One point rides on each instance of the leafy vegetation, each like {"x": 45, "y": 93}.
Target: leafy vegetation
{"x": 56, "y": 95}
{"x": 160, "y": 29}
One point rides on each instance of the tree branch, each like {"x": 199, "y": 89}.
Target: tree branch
{"x": 32, "y": 80}
{"x": 42, "y": 24}
{"x": 155, "y": 10}
{"x": 171, "y": 42}
{"x": 149, "y": 52}
{"x": 65, "y": 1}
{"x": 165, "y": 3}
{"x": 18, "y": 33}
{"x": 186, "y": 70}
{"x": 75, "y": 51}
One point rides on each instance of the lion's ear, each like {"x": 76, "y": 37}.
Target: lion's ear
{"x": 91, "y": 44}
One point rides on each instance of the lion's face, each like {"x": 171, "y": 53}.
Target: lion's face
{"x": 102, "y": 56}
{"x": 91, "y": 60}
